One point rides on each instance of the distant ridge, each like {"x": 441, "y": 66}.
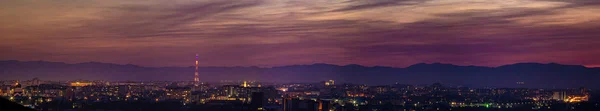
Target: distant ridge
{"x": 533, "y": 74}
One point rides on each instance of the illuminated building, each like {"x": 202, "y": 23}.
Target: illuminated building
{"x": 329, "y": 83}
{"x": 381, "y": 89}
{"x": 232, "y": 90}
{"x": 559, "y": 96}
{"x": 196, "y": 79}
{"x": 178, "y": 93}
{"x": 17, "y": 90}
{"x": 245, "y": 84}
{"x": 574, "y": 99}
{"x": 81, "y": 84}
{"x": 249, "y": 84}
{"x": 324, "y": 105}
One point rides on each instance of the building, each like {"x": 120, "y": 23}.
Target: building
{"x": 17, "y": 90}
{"x": 232, "y": 91}
{"x": 290, "y": 104}
{"x": 329, "y": 83}
{"x": 69, "y": 93}
{"x": 295, "y": 104}
{"x": 178, "y": 93}
{"x": 583, "y": 90}
{"x": 257, "y": 101}
{"x": 123, "y": 90}
{"x": 559, "y": 96}
{"x": 324, "y": 105}
{"x": 33, "y": 82}
{"x": 81, "y": 84}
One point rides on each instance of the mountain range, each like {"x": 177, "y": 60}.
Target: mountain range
{"x": 538, "y": 75}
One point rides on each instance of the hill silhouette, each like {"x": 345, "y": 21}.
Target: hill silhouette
{"x": 533, "y": 74}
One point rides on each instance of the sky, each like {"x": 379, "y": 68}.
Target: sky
{"x": 266, "y": 33}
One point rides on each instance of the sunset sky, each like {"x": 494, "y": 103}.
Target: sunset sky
{"x": 266, "y": 33}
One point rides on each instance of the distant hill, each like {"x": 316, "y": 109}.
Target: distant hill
{"x": 533, "y": 74}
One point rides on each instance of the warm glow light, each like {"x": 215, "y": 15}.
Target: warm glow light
{"x": 81, "y": 84}
{"x": 283, "y": 89}
{"x": 245, "y": 84}
{"x": 575, "y": 99}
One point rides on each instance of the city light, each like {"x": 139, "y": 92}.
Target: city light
{"x": 300, "y": 55}
{"x": 575, "y": 99}
{"x": 283, "y": 89}
{"x": 280, "y": 94}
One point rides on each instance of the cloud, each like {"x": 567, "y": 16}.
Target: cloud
{"x": 282, "y": 32}
{"x": 374, "y": 4}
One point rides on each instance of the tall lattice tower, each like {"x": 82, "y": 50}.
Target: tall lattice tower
{"x": 196, "y": 79}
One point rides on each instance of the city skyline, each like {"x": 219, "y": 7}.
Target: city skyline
{"x": 300, "y": 55}
{"x": 266, "y": 33}
{"x": 259, "y": 96}
{"x": 533, "y": 75}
